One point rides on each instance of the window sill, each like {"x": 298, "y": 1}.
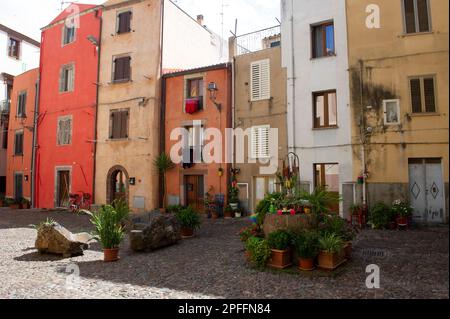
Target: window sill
{"x": 121, "y": 81}
{"x": 424, "y": 114}
{"x": 325, "y": 128}
{"x": 18, "y": 155}
{"x": 405, "y": 35}
{"x": 65, "y": 92}
{"x": 67, "y": 44}
{"x": 63, "y": 145}
{"x": 118, "y": 139}
{"x": 324, "y": 57}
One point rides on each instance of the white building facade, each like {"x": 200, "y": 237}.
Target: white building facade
{"x": 18, "y": 54}
{"x": 314, "y": 51}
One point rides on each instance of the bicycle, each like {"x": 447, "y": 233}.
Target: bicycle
{"x": 78, "y": 202}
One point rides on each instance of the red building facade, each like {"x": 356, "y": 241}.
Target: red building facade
{"x": 67, "y": 106}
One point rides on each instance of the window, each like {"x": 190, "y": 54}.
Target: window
{"x": 122, "y": 69}
{"x": 67, "y": 78}
{"x": 260, "y": 142}
{"x": 118, "y": 128}
{"x": 194, "y": 95}
{"x": 193, "y": 151}
{"x": 14, "y": 48}
{"x": 21, "y": 104}
{"x": 423, "y": 98}
{"x": 323, "y": 40}
{"x": 68, "y": 34}
{"x": 64, "y": 133}
{"x": 416, "y": 14}
{"x": 391, "y": 110}
{"x": 4, "y": 135}
{"x": 325, "y": 109}
{"x": 327, "y": 175}
{"x": 124, "y": 22}
{"x": 260, "y": 80}
{"x": 18, "y": 143}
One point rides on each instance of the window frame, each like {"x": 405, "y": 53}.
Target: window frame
{"x": 323, "y": 25}
{"x": 259, "y": 155}
{"x": 262, "y": 95}
{"x": 17, "y": 133}
{"x": 22, "y": 114}
{"x": 112, "y": 121}
{"x": 385, "y": 102}
{"x": 323, "y": 165}
{"x": 416, "y": 19}
{"x": 421, "y": 78}
{"x": 60, "y": 119}
{"x": 326, "y": 110}
{"x": 118, "y": 13}
{"x": 113, "y": 73}
{"x": 19, "y": 50}
{"x": 64, "y": 33}
{"x": 70, "y": 88}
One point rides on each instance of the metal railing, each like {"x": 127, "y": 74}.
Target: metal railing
{"x": 4, "y": 106}
{"x": 258, "y": 40}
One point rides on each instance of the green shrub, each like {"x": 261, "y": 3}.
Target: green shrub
{"x": 253, "y": 230}
{"x": 331, "y": 243}
{"x": 307, "y": 244}
{"x": 280, "y": 240}
{"x": 259, "y": 250}
{"x": 189, "y": 218}
{"x": 401, "y": 209}
{"x": 381, "y": 216}
{"x": 321, "y": 200}
{"x": 108, "y": 229}
{"x": 174, "y": 209}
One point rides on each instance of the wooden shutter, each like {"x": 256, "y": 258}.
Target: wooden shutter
{"x": 410, "y": 18}
{"x": 61, "y": 79}
{"x": 24, "y": 104}
{"x": 123, "y": 124}
{"x": 254, "y": 147}
{"x": 118, "y": 69}
{"x": 265, "y": 79}
{"x": 18, "y": 144}
{"x": 70, "y": 78}
{"x": 260, "y": 80}
{"x": 124, "y": 22}
{"x": 126, "y": 68}
{"x": 264, "y": 150}
{"x": 416, "y": 96}
{"x": 422, "y": 15}
{"x": 68, "y": 131}
{"x": 430, "y": 98}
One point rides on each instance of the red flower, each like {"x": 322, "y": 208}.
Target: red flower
{"x": 280, "y": 213}
{"x": 293, "y": 212}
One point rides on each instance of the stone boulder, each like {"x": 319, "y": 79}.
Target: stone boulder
{"x": 55, "y": 239}
{"x": 155, "y": 231}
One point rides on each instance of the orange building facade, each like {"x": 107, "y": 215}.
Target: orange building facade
{"x": 195, "y": 102}
{"x": 20, "y": 137}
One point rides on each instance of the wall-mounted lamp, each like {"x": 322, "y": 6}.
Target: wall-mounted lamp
{"x": 212, "y": 89}
{"x": 93, "y": 40}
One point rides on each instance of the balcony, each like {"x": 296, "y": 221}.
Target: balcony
{"x": 256, "y": 41}
{"x": 4, "y": 106}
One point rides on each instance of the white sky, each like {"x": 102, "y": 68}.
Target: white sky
{"x": 28, "y": 16}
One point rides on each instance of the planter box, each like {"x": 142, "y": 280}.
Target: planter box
{"x": 348, "y": 249}
{"x": 306, "y": 264}
{"x": 15, "y": 206}
{"x": 273, "y": 223}
{"x": 331, "y": 261}
{"x": 229, "y": 215}
{"x": 187, "y": 232}
{"x": 280, "y": 259}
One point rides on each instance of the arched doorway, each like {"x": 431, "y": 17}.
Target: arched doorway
{"x": 117, "y": 184}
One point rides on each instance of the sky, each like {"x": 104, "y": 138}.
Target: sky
{"x": 29, "y": 16}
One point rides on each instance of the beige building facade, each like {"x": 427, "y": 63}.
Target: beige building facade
{"x": 399, "y": 102}
{"x": 129, "y": 98}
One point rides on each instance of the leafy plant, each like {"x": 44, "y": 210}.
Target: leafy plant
{"x": 331, "y": 243}
{"x": 108, "y": 229}
{"x": 259, "y": 250}
{"x": 321, "y": 200}
{"x": 279, "y": 240}
{"x": 380, "y": 216}
{"x": 355, "y": 209}
{"x": 401, "y": 209}
{"x": 189, "y": 218}
{"x": 307, "y": 244}
{"x": 233, "y": 192}
{"x": 252, "y": 231}
{"x": 10, "y": 201}
{"x": 164, "y": 164}
{"x": 122, "y": 209}
{"x": 49, "y": 222}
{"x": 174, "y": 209}
{"x": 333, "y": 224}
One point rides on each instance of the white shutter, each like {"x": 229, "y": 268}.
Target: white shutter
{"x": 71, "y": 78}
{"x": 264, "y": 151}
{"x": 260, "y": 80}
{"x": 254, "y": 149}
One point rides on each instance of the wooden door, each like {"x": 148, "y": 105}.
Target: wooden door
{"x": 63, "y": 189}
{"x": 194, "y": 188}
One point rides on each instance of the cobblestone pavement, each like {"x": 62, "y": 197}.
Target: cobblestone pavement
{"x": 413, "y": 264}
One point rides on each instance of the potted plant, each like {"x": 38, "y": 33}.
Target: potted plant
{"x": 258, "y": 251}
{"x": 109, "y": 230}
{"x": 403, "y": 213}
{"x": 2, "y": 200}
{"x": 25, "y": 203}
{"x": 348, "y": 234}
{"x": 307, "y": 246}
{"x": 13, "y": 204}
{"x": 189, "y": 220}
{"x": 238, "y": 213}
{"x": 331, "y": 254}
{"x": 164, "y": 164}
{"x": 279, "y": 243}
{"x": 228, "y": 212}
{"x": 380, "y": 216}
{"x": 233, "y": 195}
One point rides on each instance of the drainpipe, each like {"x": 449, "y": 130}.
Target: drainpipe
{"x": 162, "y": 142}
{"x": 363, "y": 131}
{"x": 34, "y": 143}
{"x": 293, "y": 102}
{"x": 96, "y": 109}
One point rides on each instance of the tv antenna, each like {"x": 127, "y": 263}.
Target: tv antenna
{"x": 66, "y": 2}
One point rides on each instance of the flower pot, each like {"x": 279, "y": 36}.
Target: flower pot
{"x": 331, "y": 261}
{"x": 402, "y": 222}
{"x": 348, "y": 249}
{"x": 234, "y": 206}
{"x": 110, "y": 255}
{"x": 187, "y": 232}
{"x": 237, "y": 215}
{"x": 306, "y": 264}
{"x": 26, "y": 206}
{"x": 229, "y": 215}
{"x": 280, "y": 259}
{"x": 215, "y": 216}
{"x": 15, "y": 206}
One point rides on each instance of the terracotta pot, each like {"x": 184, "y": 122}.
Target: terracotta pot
{"x": 280, "y": 259}
{"x": 402, "y": 221}
{"x": 331, "y": 261}
{"x": 215, "y": 216}
{"x": 348, "y": 249}
{"x": 111, "y": 255}
{"x": 229, "y": 215}
{"x": 2, "y": 203}
{"x": 306, "y": 264}
{"x": 15, "y": 206}
{"x": 187, "y": 232}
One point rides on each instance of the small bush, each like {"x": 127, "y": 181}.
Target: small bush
{"x": 280, "y": 240}
{"x": 189, "y": 218}
{"x": 307, "y": 244}
{"x": 331, "y": 243}
{"x": 380, "y": 216}
{"x": 259, "y": 250}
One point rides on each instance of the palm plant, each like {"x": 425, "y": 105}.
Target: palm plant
{"x": 321, "y": 200}
{"x": 164, "y": 164}
{"x": 108, "y": 229}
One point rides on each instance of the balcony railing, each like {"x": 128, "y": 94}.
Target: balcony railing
{"x": 259, "y": 40}
{"x": 4, "y": 106}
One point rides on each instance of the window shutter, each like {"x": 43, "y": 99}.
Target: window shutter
{"x": 430, "y": 98}
{"x": 254, "y": 148}
{"x": 265, "y": 80}
{"x": 255, "y": 75}
{"x": 116, "y": 125}
{"x": 118, "y": 69}
{"x": 410, "y": 19}
{"x": 68, "y": 131}
{"x": 128, "y": 21}
{"x": 416, "y": 96}
{"x": 124, "y": 124}
{"x": 70, "y": 78}
{"x": 111, "y": 125}
{"x": 422, "y": 12}
{"x": 126, "y": 68}
{"x": 61, "y": 79}
{"x": 264, "y": 142}
{"x": 24, "y": 103}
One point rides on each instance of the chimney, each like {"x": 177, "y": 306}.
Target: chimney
{"x": 200, "y": 19}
